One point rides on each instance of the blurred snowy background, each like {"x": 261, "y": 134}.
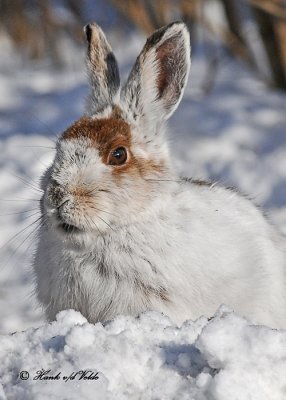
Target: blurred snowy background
{"x": 230, "y": 126}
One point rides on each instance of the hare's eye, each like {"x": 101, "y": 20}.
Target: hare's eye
{"x": 117, "y": 156}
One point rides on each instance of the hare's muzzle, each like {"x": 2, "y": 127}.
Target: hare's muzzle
{"x": 60, "y": 209}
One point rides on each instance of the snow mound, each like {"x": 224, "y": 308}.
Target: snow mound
{"x": 146, "y": 357}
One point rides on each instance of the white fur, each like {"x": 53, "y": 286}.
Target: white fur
{"x": 198, "y": 246}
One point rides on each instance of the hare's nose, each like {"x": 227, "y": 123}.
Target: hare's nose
{"x": 63, "y": 210}
{"x": 56, "y": 194}
{"x": 66, "y": 218}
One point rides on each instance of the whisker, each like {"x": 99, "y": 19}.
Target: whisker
{"x": 34, "y": 230}
{"x": 32, "y": 215}
{"x": 106, "y": 212}
{"x": 30, "y": 184}
{"x": 37, "y": 147}
{"x": 20, "y": 212}
{"x": 19, "y": 233}
{"x": 105, "y": 223}
{"x": 27, "y": 237}
{"x": 8, "y": 200}
{"x": 101, "y": 234}
{"x": 32, "y": 115}
{"x": 89, "y": 224}
{"x": 38, "y": 158}
{"x": 163, "y": 180}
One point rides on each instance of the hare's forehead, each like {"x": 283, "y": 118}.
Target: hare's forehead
{"x": 101, "y": 134}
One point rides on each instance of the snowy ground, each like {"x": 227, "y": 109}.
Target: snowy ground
{"x": 235, "y": 135}
{"x": 144, "y": 358}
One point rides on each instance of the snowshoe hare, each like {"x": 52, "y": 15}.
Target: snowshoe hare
{"x": 122, "y": 233}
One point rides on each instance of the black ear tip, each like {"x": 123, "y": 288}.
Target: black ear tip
{"x": 87, "y": 31}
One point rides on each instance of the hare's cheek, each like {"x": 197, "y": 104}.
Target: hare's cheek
{"x": 45, "y": 178}
{"x": 42, "y": 206}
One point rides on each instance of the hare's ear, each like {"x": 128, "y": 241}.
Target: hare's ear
{"x": 102, "y": 70}
{"x": 157, "y": 81}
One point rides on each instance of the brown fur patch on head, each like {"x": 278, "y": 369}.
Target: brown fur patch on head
{"x": 107, "y": 134}
{"x": 104, "y": 134}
